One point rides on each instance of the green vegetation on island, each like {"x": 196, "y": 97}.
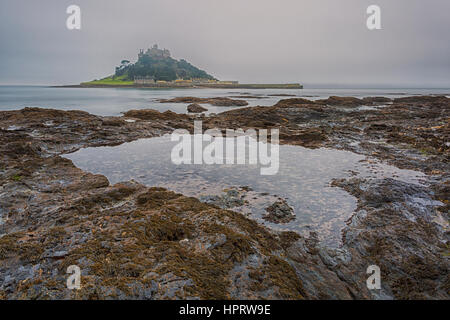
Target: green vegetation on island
{"x": 110, "y": 81}
{"x": 157, "y": 64}
{"x": 153, "y": 65}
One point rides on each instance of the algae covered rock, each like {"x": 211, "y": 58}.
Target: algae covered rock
{"x": 196, "y": 108}
{"x": 280, "y": 212}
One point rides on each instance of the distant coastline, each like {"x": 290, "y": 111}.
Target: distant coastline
{"x": 183, "y": 86}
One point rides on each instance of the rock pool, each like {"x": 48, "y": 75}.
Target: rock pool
{"x": 303, "y": 181}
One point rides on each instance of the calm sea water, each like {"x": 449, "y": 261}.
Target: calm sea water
{"x": 114, "y": 101}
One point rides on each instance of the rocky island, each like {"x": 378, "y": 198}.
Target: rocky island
{"x": 155, "y": 68}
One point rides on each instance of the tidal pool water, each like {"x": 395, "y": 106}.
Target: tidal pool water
{"x": 303, "y": 180}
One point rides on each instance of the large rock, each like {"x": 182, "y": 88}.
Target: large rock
{"x": 150, "y": 114}
{"x": 341, "y": 101}
{"x": 421, "y": 99}
{"x": 279, "y": 212}
{"x": 231, "y": 199}
{"x": 377, "y": 100}
{"x": 293, "y": 101}
{"x": 196, "y": 108}
{"x": 218, "y": 101}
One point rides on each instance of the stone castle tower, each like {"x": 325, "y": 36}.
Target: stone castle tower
{"x": 155, "y": 52}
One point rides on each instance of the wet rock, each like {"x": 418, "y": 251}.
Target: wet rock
{"x": 393, "y": 231}
{"x": 150, "y": 114}
{"x": 312, "y": 138}
{"x": 332, "y": 257}
{"x": 220, "y": 240}
{"x": 281, "y": 95}
{"x": 55, "y": 254}
{"x": 279, "y": 212}
{"x": 247, "y": 97}
{"x": 218, "y": 101}
{"x": 293, "y": 101}
{"x": 341, "y": 101}
{"x": 376, "y": 100}
{"x": 116, "y": 234}
{"x": 421, "y": 99}
{"x": 231, "y": 199}
{"x": 196, "y": 108}
{"x": 113, "y": 122}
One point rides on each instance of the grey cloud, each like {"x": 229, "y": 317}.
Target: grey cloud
{"x": 314, "y": 42}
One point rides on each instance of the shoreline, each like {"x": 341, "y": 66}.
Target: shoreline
{"x": 294, "y": 86}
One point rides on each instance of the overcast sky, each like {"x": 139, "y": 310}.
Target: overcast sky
{"x": 315, "y": 42}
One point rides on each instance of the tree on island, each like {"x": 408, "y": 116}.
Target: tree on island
{"x": 159, "y": 65}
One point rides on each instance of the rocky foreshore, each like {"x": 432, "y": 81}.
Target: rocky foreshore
{"x": 216, "y": 101}
{"x": 137, "y": 242}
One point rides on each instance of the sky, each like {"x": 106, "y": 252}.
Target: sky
{"x": 319, "y": 43}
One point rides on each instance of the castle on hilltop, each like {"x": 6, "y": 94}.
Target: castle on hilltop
{"x": 155, "y": 52}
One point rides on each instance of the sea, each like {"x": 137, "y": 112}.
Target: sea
{"x": 115, "y": 101}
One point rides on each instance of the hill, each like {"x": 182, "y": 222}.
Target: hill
{"x": 154, "y": 64}
{"x": 155, "y": 68}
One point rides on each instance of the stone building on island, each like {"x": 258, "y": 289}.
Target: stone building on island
{"x": 144, "y": 80}
{"x": 155, "y": 52}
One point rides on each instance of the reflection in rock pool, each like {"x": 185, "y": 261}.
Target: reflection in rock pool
{"x": 303, "y": 181}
